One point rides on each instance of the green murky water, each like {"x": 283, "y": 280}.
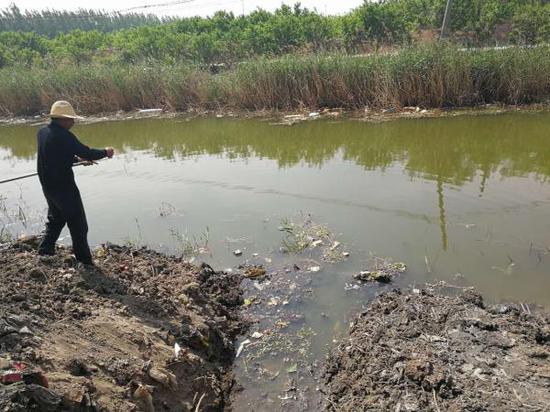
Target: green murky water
{"x": 463, "y": 200}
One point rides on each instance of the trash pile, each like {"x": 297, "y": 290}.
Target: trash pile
{"x": 427, "y": 352}
{"x": 139, "y": 331}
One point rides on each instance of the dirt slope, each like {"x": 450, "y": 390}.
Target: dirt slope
{"x": 105, "y": 337}
{"x": 426, "y": 352}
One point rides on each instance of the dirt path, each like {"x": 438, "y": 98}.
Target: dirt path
{"x": 427, "y": 352}
{"x": 106, "y": 337}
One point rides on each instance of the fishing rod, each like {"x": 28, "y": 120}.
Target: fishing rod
{"x": 82, "y": 163}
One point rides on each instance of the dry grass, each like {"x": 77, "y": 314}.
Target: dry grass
{"x": 432, "y": 76}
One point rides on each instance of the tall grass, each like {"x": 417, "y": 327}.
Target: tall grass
{"x": 434, "y": 76}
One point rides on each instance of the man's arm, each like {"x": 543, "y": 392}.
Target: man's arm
{"x": 84, "y": 152}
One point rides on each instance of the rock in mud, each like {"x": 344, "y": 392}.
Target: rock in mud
{"x": 104, "y": 336}
{"x": 427, "y": 352}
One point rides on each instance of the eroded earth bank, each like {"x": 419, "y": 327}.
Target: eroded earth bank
{"x": 145, "y": 331}
{"x": 140, "y": 331}
{"x": 427, "y": 352}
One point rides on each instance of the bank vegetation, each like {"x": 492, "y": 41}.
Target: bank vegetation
{"x": 381, "y": 55}
{"x": 426, "y": 76}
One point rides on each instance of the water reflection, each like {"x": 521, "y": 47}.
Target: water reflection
{"x": 452, "y": 150}
{"x": 446, "y": 151}
{"x": 457, "y": 199}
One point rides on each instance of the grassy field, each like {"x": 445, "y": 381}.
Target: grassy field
{"x": 429, "y": 76}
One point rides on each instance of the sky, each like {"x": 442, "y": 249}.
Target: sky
{"x": 185, "y": 8}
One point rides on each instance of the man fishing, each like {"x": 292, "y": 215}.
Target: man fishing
{"x": 58, "y": 149}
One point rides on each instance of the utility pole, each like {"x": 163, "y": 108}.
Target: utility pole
{"x": 242, "y": 3}
{"x": 446, "y": 20}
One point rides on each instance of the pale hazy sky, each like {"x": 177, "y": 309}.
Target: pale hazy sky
{"x": 191, "y": 8}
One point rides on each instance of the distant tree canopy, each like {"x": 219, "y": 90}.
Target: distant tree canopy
{"x": 85, "y": 36}
{"x": 53, "y": 22}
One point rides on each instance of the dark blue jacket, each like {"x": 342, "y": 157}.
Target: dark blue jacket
{"x": 57, "y": 148}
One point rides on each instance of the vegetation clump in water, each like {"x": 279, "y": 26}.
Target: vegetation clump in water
{"x": 309, "y": 235}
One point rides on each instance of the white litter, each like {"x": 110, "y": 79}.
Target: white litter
{"x": 241, "y": 347}
{"x": 150, "y": 111}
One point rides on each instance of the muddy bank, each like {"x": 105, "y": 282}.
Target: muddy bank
{"x": 140, "y": 331}
{"x": 289, "y": 118}
{"x": 426, "y": 352}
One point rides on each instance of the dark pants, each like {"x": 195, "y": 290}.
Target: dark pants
{"x": 65, "y": 207}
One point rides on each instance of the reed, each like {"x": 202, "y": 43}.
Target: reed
{"x": 429, "y": 76}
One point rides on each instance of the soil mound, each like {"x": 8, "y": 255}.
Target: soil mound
{"x": 139, "y": 331}
{"x": 425, "y": 352}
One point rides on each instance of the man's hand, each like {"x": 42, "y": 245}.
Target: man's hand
{"x": 110, "y": 152}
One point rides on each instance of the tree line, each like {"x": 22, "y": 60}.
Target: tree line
{"x": 50, "y": 23}
{"x": 51, "y": 37}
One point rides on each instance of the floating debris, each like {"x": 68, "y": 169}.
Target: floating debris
{"x": 314, "y": 268}
{"x": 335, "y": 245}
{"x": 273, "y": 301}
{"x": 292, "y": 368}
{"x": 351, "y": 286}
{"x": 254, "y": 271}
{"x": 241, "y": 347}
{"x": 150, "y": 111}
{"x": 316, "y": 243}
{"x": 383, "y": 273}
{"x": 376, "y": 276}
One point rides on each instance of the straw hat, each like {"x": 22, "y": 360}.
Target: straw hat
{"x": 63, "y": 110}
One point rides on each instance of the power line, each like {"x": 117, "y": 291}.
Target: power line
{"x": 148, "y": 6}
{"x": 213, "y": 3}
